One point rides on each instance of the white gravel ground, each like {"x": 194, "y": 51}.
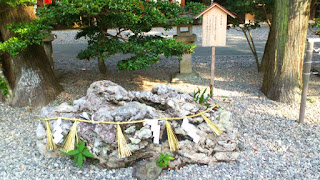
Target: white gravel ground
{"x": 273, "y": 145}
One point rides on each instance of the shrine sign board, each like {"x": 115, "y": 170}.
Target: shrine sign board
{"x": 249, "y": 18}
{"x": 214, "y": 30}
{"x": 214, "y": 25}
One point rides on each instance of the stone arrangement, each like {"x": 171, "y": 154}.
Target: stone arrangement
{"x": 107, "y": 101}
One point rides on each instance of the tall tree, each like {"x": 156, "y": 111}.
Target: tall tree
{"x": 27, "y": 78}
{"x": 285, "y": 51}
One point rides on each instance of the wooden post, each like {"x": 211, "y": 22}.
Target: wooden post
{"x": 213, "y": 58}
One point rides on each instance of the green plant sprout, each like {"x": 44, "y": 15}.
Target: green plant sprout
{"x": 164, "y": 160}
{"x": 200, "y": 96}
{"x": 311, "y": 100}
{"x": 80, "y": 154}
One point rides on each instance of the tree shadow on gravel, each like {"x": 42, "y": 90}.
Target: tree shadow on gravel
{"x": 233, "y": 74}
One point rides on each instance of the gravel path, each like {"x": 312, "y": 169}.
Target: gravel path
{"x": 273, "y": 145}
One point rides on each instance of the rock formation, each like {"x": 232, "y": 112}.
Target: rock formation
{"x": 107, "y": 101}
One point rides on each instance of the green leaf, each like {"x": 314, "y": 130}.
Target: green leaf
{"x": 161, "y": 164}
{"x": 80, "y": 160}
{"x": 195, "y": 93}
{"x": 166, "y": 164}
{"x": 206, "y": 99}
{"x": 72, "y": 152}
{"x": 75, "y": 160}
{"x": 164, "y": 160}
{"x": 81, "y": 146}
{"x": 87, "y": 153}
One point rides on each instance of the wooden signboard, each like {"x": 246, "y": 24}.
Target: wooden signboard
{"x": 249, "y": 18}
{"x": 214, "y": 25}
{"x": 214, "y": 29}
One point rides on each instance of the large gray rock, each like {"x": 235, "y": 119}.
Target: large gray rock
{"x": 107, "y": 101}
{"x": 146, "y": 170}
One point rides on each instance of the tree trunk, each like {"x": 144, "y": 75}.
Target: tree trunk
{"x": 285, "y": 50}
{"x": 29, "y": 74}
{"x": 265, "y": 57}
{"x": 313, "y": 9}
{"x": 102, "y": 66}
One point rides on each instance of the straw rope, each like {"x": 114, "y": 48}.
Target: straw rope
{"x": 129, "y": 122}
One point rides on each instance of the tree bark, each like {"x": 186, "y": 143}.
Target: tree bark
{"x": 285, "y": 50}
{"x": 29, "y": 74}
{"x": 313, "y": 9}
{"x": 102, "y": 66}
{"x": 265, "y": 57}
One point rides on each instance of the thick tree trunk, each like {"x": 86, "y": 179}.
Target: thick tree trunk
{"x": 285, "y": 50}
{"x": 29, "y": 74}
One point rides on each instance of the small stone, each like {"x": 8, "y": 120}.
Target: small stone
{"x": 131, "y": 129}
{"x": 197, "y": 119}
{"x": 170, "y": 103}
{"x": 225, "y": 122}
{"x": 41, "y": 132}
{"x": 146, "y": 170}
{"x": 133, "y": 147}
{"x": 227, "y": 156}
{"x": 143, "y": 144}
{"x": 144, "y": 133}
{"x": 225, "y": 146}
{"x": 135, "y": 141}
{"x": 210, "y": 143}
{"x": 65, "y": 107}
{"x": 225, "y": 116}
{"x": 197, "y": 158}
{"x": 190, "y": 107}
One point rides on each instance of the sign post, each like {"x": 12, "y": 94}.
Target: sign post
{"x": 214, "y": 30}
{"x": 213, "y": 59}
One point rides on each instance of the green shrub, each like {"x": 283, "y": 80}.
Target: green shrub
{"x": 164, "y": 160}
{"x": 80, "y": 154}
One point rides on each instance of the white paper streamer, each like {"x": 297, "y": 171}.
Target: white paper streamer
{"x": 85, "y": 115}
{"x": 57, "y": 131}
{"x": 155, "y": 128}
{"x": 191, "y": 130}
